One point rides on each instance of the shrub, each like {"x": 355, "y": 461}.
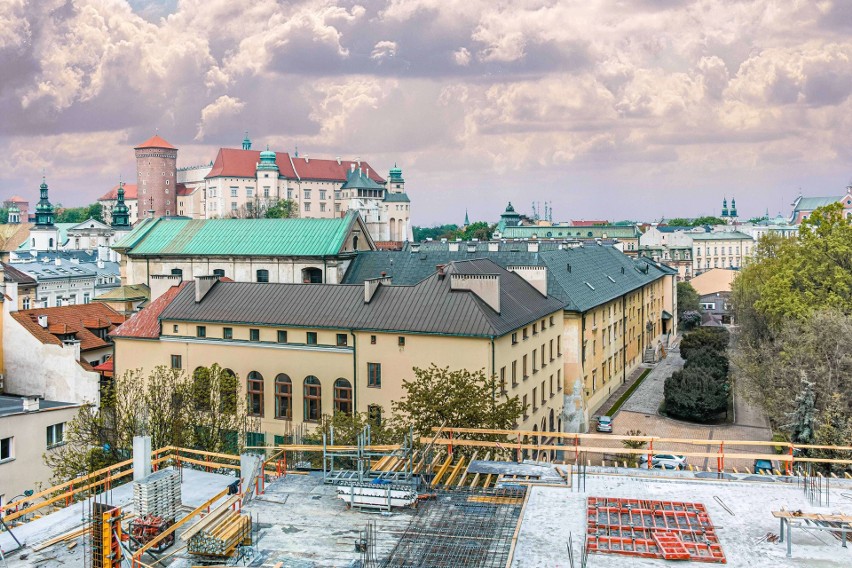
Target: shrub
{"x": 709, "y": 359}
{"x": 713, "y": 337}
{"x": 695, "y": 394}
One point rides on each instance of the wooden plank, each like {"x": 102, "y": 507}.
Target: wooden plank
{"x": 208, "y": 519}
{"x": 464, "y": 475}
{"x": 455, "y": 472}
{"x": 442, "y": 470}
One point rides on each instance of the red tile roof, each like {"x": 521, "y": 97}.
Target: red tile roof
{"x": 130, "y": 192}
{"x": 107, "y": 366}
{"x": 182, "y": 190}
{"x": 588, "y": 223}
{"x": 70, "y": 319}
{"x": 155, "y": 142}
{"x": 17, "y": 199}
{"x": 146, "y": 324}
{"x": 233, "y": 162}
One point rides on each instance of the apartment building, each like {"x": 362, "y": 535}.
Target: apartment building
{"x": 303, "y": 351}
{"x": 728, "y": 249}
{"x": 617, "y": 310}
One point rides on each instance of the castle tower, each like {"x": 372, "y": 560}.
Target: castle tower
{"x": 725, "y": 208}
{"x": 509, "y": 218}
{"x": 246, "y": 142}
{"x": 44, "y": 236}
{"x": 156, "y": 176}
{"x": 395, "y": 182}
{"x": 14, "y": 215}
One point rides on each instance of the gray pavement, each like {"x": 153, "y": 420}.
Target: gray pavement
{"x": 648, "y": 397}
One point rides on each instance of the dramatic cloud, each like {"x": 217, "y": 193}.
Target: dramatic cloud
{"x": 606, "y": 108}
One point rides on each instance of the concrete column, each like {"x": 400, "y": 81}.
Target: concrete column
{"x": 141, "y": 457}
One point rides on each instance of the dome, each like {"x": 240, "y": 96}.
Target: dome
{"x": 267, "y": 160}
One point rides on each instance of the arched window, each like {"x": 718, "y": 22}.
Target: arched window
{"x": 177, "y": 272}
{"x": 552, "y": 420}
{"x": 343, "y": 396}
{"x": 255, "y": 394}
{"x": 283, "y": 397}
{"x": 313, "y": 399}
{"x": 219, "y": 273}
{"x": 50, "y": 243}
{"x": 392, "y": 232}
{"x": 262, "y": 275}
{"x": 201, "y": 388}
{"x": 228, "y": 392}
{"x": 355, "y": 242}
{"x": 312, "y": 276}
{"x": 535, "y": 439}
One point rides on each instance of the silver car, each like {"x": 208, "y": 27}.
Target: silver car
{"x": 605, "y": 424}
{"x": 663, "y": 461}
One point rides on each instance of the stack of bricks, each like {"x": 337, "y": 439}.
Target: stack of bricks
{"x": 158, "y": 494}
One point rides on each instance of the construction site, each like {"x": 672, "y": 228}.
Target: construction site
{"x": 459, "y": 497}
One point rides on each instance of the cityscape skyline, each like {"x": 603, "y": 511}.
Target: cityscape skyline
{"x": 603, "y": 115}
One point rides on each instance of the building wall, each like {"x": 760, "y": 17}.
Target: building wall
{"x": 27, "y": 470}
{"x": 156, "y": 173}
{"x": 328, "y": 362}
{"x": 52, "y": 371}
{"x": 720, "y": 253}
{"x": 65, "y": 291}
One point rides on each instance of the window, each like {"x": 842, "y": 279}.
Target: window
{"x": 526, "y": 332}
{"x": 526, "y": 375}
{"x": 535, "y": 398}
{"x": 535, "y": 329}
{"x": 307, "y": 206}
{"x": 219, "y": 273}
{"x": 551, "y": 385}
{"x": 200, "y": 331}
{"x": 515, "y": 338}
{"x": 86, "y": 298}
{"x": 542, "y": 393}
{"x": 177, "y": 272}
{"x": 55, "y": 434}
{"x": 234, "y": 191}
{"x": 254, "y": 335}
{"x": 502, "y": 379}
{"x": 551, "y": 321}
{"x": 234, "y": 206}
{"x": 307, "y": 194}
{"x": 558, "y": 380}
{"x": 551, "y": 350}
{"x": 342, "y": 340}
{"x": 401, "y": 341}
{"x": 343, "y": 396}
{"x": 374, "y": 375}
{"x": 283, "y": 397}
{"x": 6, "y": 449}
{"x": 227, "y": 333}
{"x": 282, "y": 336}
{"x": 177, "y": 363}
{"x": 322, "y": 194}
{"x": 372, "y": 340}
{"x": 322, "y": 207}
{"x": 262, "y": 275}
{"x": 543, "y": 364}
{"x": 313, "y": 399}
{"x": 175, "y": 328}
{"x": 312, "y": 338}
{"x": 255, "y": 394}
{"x": 249, "y": 193}
{"x": 526, "y": 406}
{"x": 374, "y": 414}
{"x": 514, "y": 374}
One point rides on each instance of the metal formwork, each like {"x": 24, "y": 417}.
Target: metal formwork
{"x": 670, "y": 530}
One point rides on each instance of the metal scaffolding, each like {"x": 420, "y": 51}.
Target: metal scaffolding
{"x": 464, "y": 527}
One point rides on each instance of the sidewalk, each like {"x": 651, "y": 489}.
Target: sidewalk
{"x": 649, "y": 396}
{"x": 621, "y": 390}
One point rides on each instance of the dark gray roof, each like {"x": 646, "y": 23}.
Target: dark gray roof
{"x": 597, "y": 274}
{"x": 427, "y": 306}
{"x": 11, "y": 404}
{"x": 12, "y": 274}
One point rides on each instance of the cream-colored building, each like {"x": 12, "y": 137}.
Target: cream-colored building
{"x": 29, "y": 428}
{"x": 245, "y": 250}
{"x": 720, "y": 250}
{"x": 302, "y": 351}
{"x": 618, "y": 310}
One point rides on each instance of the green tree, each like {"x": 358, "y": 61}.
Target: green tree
{"x": 679, "y": 222}
{"x": 802, "y": 418}
{"x": 715, "y": 338}
{"x": 713, "y": 361}
{"x": 458, "y": 398}
{"x": 78, "y": 214}
{"x": 632, "y": 459}
{"x": 695, "y": 394}
{"x": 436, "y": 232}
{"x": 282, "y": 209}
{"x": 708, "y": 220}
{"x": 687, "y": 299}
{"x": 834, "y": 429}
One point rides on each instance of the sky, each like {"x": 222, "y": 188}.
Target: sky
{"x": 606, "y": 109}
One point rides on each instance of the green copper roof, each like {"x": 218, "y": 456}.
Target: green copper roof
{"x": 396, "y": 197}
{"x": 238, "y": 237}
{"x": 566, "y": 232}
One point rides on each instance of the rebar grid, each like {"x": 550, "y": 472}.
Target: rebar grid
{"x": 462, "y": 527}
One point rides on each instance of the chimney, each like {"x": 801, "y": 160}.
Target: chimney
{"x": 535, "y": 276}
{"x": 307, "y": 158}
{"x": 485, "y": 286}
{"x": 414, "y": 247}
{"x": 454, "y": 247}
{"x": 493, "y": 246}
{"x": 75, "y": 260}
{"x": 371, "y": 285}
{"x": 100, "y": 263}
{"x": 58, "y": 261}
{"x": 203, "y": 284}
{"x": 471, "y": 247}
{"x": 338, "y": 160}
{"x": 159, "y": 283}
{"x": 532, "y": 246}
{"x": 368, "y": 172}
{"x": 73, "y": 344}
{"x": 42, "y": 321}
{"x": 31, "y": 404}
{"x": 439, "y": 268}
{"x": 352, "y": 167}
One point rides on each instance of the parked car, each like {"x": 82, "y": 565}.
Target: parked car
{"x": 663, "y": 461}
{"x": 764, "y": 466}
{"x": 604, "y": 424}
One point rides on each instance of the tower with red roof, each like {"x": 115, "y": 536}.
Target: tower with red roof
{"x": 156, "y": 177}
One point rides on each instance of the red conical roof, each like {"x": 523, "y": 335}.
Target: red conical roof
{"x": 155, "y": 142}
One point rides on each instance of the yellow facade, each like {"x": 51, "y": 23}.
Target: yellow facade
{"x": 333, "y": 354}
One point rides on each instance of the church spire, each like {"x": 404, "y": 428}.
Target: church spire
{"x": 466, "y": 218}
{"x": 44, "y": 209}
{"x": 725, "y": 207}
{"x": 246, "y": 142}
{"x": 120, "y": 213}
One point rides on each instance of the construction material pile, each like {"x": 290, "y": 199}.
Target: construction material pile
{"x": 220, "y": 532}
{"x": 158, "y": 494}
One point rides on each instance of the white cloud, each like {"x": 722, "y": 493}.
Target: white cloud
{"x": 224, "y": 106}
{"x": 383, "y": 50}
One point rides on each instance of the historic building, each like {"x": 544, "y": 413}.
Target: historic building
{"x": 726, "y": 249}
{"x": 304, "y": 351}
{"x": 617, "y": 311}
{"x": 804, "y": 206}
{"x": 44, "y": 236}
{"x": 244, "y": 250}
{"x": 244, "y": 183}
